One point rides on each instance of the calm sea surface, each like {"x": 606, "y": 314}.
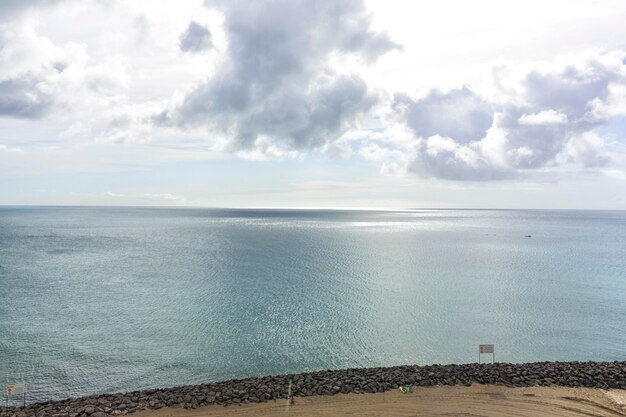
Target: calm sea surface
{"x": 116, "y": 299}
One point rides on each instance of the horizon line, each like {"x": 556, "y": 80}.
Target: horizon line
{"x": 304, "y": 208}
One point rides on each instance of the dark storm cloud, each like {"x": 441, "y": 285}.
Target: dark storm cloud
{"x": 276, "y": 84}
{"x": 196, "y": 38}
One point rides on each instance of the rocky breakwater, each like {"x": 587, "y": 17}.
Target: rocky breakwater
{"x": 345, "y": 381}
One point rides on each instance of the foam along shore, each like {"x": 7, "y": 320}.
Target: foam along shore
{"x": 477, "y": 400}
{"x": 327, "y": 383}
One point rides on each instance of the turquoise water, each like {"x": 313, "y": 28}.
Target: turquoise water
{"x": 115, "y": 299}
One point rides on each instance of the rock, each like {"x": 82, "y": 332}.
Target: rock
{"x": 573, "y": 374}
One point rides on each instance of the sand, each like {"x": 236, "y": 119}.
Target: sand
{"x": 477, "y": 400}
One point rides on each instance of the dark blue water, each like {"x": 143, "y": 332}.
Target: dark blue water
{"x": 116, "y": 299}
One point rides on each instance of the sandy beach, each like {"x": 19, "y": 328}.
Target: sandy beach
{"x": 477, "y": 400}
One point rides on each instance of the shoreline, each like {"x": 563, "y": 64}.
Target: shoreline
{"x": 328, "y": 383}
{"x": 477, "y": 400}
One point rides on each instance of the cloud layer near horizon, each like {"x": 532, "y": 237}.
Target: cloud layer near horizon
{"x": 289, "y": 78}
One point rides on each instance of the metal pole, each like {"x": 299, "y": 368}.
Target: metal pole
{"x": 289, "y": 393}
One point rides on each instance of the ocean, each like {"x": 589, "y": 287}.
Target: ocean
{"x": 96, "y": 299}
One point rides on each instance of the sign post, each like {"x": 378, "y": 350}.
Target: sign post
{"x": 487, "y": 349}
{"x": 16, "y": 390}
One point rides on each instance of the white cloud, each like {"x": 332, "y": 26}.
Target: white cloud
{"x": 545, "y": 117}
{"x": 585, "y": 150}
{"x": 443, "y": 157}
{"x": 614, "y": 105}
{"x": 392, "y": 169}
{"x": 39, "y": 79}
{"x": 161, "y": 197}
{"x": 615, "y": 173}
{"x": 548, "y": 120}
{"x": 458, "y": 113}
{"x": 277, "y": 81}
{"x": 380, "y": 152}
{"x": 5, "y": 148}
{"x": 134, "y": 85}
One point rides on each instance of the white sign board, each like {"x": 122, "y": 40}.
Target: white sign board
{"x": 485, "y": 348}
{"x": 16, "y": 389}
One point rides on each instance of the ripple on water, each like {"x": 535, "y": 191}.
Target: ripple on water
{"x": 98, "y": 299}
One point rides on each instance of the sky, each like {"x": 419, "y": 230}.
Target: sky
{"x": 294, "y": 103}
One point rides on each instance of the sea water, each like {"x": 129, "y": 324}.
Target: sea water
{"x": 97, "y": 300}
